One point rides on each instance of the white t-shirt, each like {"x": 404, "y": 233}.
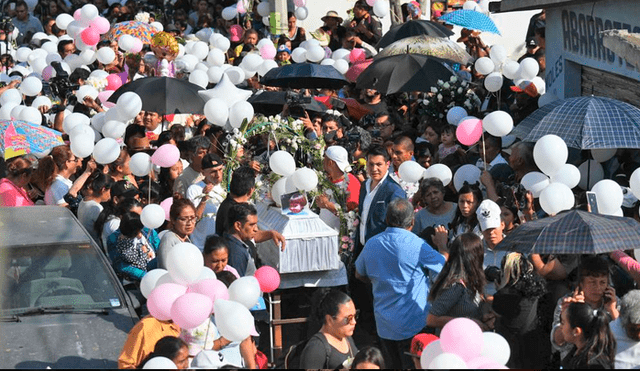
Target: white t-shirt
{"x": 54, "y": 195}
{"x": 207, "y": 225}
{"x": 109, "y": 227}
{"x": 88, "y": 212}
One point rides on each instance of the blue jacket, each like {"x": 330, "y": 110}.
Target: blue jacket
{"x": 127, "y": 270}
{"x": 376, "y": 219}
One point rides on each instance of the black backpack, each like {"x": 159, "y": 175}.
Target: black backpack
{"x": 294, "y": 353}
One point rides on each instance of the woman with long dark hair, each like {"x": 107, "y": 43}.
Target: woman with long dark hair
{"x": 170, "y": 347}
{"x": 469, "y": 197}
{"x": 12, "y": 188}
{"x": 587, "y": 329}
{"x": 96, "y": 190}
{"x": 459, "y": 288}
{"x": 332, "y": 347}
{"x": 182, "y": 217}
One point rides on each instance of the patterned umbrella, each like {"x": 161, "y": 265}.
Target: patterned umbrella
{"x": 413, "y": 28}
{"x": 33, "y": 138}
{"x": 472, "y": 20}
{"x": 428, "y": 45}
{"x": 585, "y": 123}
{"x": 141, "y": 30}
{"x": 574, "y": 232}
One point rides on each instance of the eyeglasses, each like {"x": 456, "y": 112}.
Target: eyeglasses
{"x": 348, "y": 319}
{"x": 191, "y": 219}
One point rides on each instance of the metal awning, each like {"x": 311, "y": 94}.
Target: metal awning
{"x": 624, "y": 44}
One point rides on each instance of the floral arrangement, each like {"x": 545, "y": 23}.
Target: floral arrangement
{"x": 142, "y": 17}
{"x": 99, "y": 83}
{"x": 446, "y": 95}
{"x": 289, "y": 135}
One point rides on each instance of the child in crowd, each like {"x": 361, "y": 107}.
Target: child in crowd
{"x": 135, "y": 255}
{"x": 283, "y": 57}
{"x": 448, "y": 143}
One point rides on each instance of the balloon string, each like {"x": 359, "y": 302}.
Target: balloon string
{"x": 484, "y": 152}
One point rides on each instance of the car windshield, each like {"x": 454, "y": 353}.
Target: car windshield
{"x": 70, "y": 276}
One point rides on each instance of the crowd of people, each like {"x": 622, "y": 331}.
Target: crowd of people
{"x": 424, "y": 252}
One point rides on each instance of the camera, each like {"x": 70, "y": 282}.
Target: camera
{"x": 62, "y": 87}
{"x": 492, "y": 273}
{"x": 295, "y": 102}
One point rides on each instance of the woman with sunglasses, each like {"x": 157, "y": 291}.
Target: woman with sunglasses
{"x": 12, "y": 188}
{"x": 182, "y": 218}
{"x": 332, "y": 347}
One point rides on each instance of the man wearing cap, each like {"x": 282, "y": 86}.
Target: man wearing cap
{"x": 399, "y": 265}
{"x": 336, "y": 166}
{"x": 418, "y": 344}
{"x": 492, "y": 226}
{"x": 626, "y": 330}
{"x": 207, "y": 195}
{"x": 328, "y": 34}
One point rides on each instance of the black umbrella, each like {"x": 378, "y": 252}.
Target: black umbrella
{"x": 404, "y": 73}
{"x": 304, "y": 75}
{"x": 272, "y": 102}
{"x": 574, "y": 232}
{"x": 164, "y": 95}
{"x": 413, "y": 28}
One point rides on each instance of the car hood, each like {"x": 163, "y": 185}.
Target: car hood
{"x": 65, "y": 340}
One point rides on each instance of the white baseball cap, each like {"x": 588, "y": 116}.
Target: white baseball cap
{"x": 488, "y": 215}
{"x": 340, "y": 156}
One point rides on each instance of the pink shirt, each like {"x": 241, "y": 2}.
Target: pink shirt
{"x": 12, "y": 195}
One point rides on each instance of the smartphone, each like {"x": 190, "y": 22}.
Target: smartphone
{"x": 593, "y": 202}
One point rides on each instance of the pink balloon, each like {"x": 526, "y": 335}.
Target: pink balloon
{"x": 469, "y": 131}
{"x": 47, "y": 73}
{"x": 191, "y": 309}
{"x": 300, "y": 3}
{"x": 137, "y": 45}
{"x": 268, "y": 52}
{"x": 108, "y": 104}
{"x": 166, "y": 206}
{"x": 101, "y": 24}
{"x": 104, "y": 95}
{"x": 268, "y": 278}
{"x": 212, "y": 288}
{"x": 113, "y": 82}
{"x": 161, "y": 300}
{"x": 90, "y": 36}
{"x": 240, "y": 7}
{"x": 357, "y": 55}
{"x": 166, "y": 156}
{"x": 462, "y": 337}
{"x": 480, "y": 362}
{"x": 371, "y": 2}
{"x": 77, "y": 15}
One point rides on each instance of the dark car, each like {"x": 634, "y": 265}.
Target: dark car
{"x": 61, "y": 304}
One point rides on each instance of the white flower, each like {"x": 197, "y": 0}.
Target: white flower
{"x": 464, "y": 84}
{"x": 446, "y": 85}
{"x": 440, "y": 82}
{"x": 439, "y": 97}
{"x": 441, "y": 115}
{"x": 434, "y": 90}
{"x": 258, "y": 184}
{"x": 142, "y": 17}
{"x": 288, "y": 141}
{"x": 459, "y": 90}
{"x": 294, "y": 146}
{"x": 453, "y": 79}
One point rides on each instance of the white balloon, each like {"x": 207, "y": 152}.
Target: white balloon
{"x": 493, "y": 82}
{"x": 234, "y": 321}
{"x": 106, "y": 151}
{"x": 252, "y": 61}
{"x": 113, "y": 129}
{"x": 510, "y": 69}
{"x": 215, "y": 57}
{"x": 200, "y": 50}
{"x": 152, "y": 217}
{"x": 535, "y": 182}
{"x": 82, "y": 145}
{"x": 302, "y": 13}
{"x": 89, "y": 11}
{"x": 229, "y": 13}
{"x": 63, "y": 20}
{"x": 305, "y": 179}
{"x": 447, "y": 360}
{"x": 239, "y": 112}
{"x": 149, "y": 280}
{"x": 206, "y": 273}
{"x": 327, "y": 62}
{"x": 498, "y": 54}
{"x": 184, "y": 260}
{"x": 88, "y": 56}
{"x": 216, "y": 111}
{"x": 86, "y": 91}
{"x": 341, "y": 65}
{"x": 634, "y": 182}
{"x": 282, "y": 163}
{"x": 140, "y": 164}
{"x": 245, "y": 290}
{"x": 315, "y": 54}
{"x": 236, "y": 74}
{"x": 226, "y": 91}
{"x": 496, "y": 347}
{"x": 556, "y": 197}
{"x": 126, "y": 42}
{"x": 498, "y": 123}
{"x": 223, "y": 44}
{"x": 470, "y": 5}
{"x": 440, "y": 171}
{"x": 455, "y": 115}
{"x": 200, "y": 78}
{"x": 529, "y": 69}
{"x": 603, "y": 154}
{"x": 484, "y": 65}
{"x": 160, "y": 363}
{"x": 429, "y": 353}
{"x": 410, "y": 171}
{"x": 609, "y": 196}
{"x": 299, "y": 55}
{"x": 568, "y": 175}
{"x": 550, "y": 153}
{"x": 277, "y": 190}
{"x": 267, "y": 66}
{"x": 340, "y": 54}
{"x": 74, "y": 119}
{"x": 129, "y": 104}
{"x": 381, "y": 8}
{"x": 263, "y": 9}
{"x": 31, "y": 86}
{"x": 466, "y": 173}
{"x": 11, "y": 96}
{"x": 540, "y": 85}
{"x": 158, "y": 26}
{"x": 105, "y": 55}
{"x": 40, "y": 101}
{"x": 22, "y": 54}
{"x": 31, "y": 114}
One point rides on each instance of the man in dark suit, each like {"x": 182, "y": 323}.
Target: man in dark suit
{"x": 375, "y": 195}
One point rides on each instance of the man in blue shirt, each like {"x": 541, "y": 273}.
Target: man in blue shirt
{"x": 26, "y": 24}
{"x": 397, "y": 263}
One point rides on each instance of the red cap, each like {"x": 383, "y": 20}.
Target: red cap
{"x": 420, "y": 341}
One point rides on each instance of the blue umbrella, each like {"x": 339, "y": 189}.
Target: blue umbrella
{"x": 573, "y": 232}
{"x": 304, "y": 75}
{"x": 585, "y": 123}
{"x": 472, "y": 20}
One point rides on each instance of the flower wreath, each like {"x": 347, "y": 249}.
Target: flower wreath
{"x": 289, "y": 135}
{"x": 446, "y": 95}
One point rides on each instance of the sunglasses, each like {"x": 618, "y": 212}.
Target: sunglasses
{"x": 348, "y": 319}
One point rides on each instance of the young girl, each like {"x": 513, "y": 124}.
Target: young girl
{"x": 135, "y": 255}
{"x": 593, "y": 343}
{"x": 96, "y": 191}
{"x": 119, "y": 169}
{"x": 448, "y": 144}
